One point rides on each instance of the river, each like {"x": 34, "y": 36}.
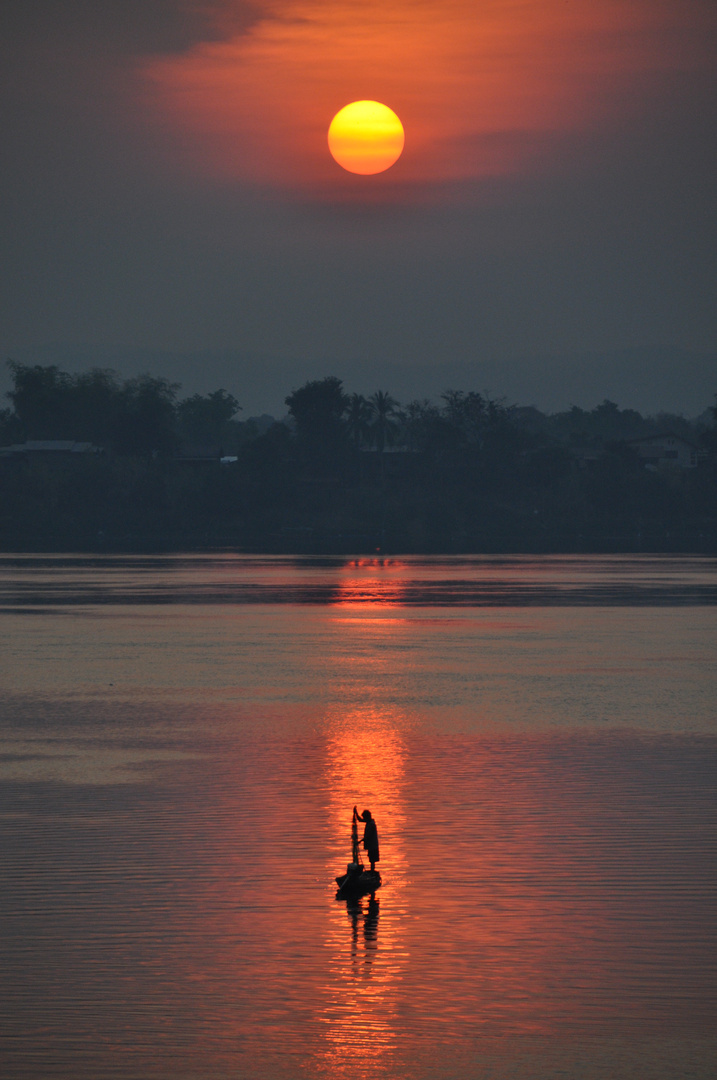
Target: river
{"x": 183, "y": 739}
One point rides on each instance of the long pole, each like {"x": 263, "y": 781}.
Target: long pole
{"x": 354, "y": 840}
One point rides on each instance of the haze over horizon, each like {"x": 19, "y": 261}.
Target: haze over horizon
{"x": 552, "y": 385}
{"x": 548, "y": 236}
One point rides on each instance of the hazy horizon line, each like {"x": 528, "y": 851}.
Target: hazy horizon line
{"x": 261, "y": 381}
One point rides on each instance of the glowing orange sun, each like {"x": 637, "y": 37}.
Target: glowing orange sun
{"x": 366, "y": 137}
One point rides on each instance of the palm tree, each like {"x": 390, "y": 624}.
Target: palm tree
{"x": 383, "y": 407}
{"x": 358, "y": 419}
{"x": 384, "y": 427}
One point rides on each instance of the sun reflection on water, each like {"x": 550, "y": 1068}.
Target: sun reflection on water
{"x": 365, "y": 765}
{"x": 371, "y": 582}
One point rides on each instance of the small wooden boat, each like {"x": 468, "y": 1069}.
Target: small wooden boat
{"x": 357, "y": 881}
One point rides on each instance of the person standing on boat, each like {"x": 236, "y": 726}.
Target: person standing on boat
{"x": 370, "y": 837}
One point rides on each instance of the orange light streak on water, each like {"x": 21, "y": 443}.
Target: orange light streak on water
{"x": 365, "y": 765}
{"x": 371, "y": 582}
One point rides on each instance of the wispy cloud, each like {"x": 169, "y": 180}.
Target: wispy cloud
{"x": 482, "y": 88}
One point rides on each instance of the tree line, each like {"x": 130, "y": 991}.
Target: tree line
{"x": 341, "y": 472}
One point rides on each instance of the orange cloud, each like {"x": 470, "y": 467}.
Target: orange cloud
{"x": 478, "y": 84}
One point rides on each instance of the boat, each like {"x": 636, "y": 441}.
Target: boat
{"x": 357, "y": 881}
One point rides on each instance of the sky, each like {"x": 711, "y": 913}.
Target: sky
{"x": 168, "y": 202}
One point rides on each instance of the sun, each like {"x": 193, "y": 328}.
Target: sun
{"x": 366, "y": 137}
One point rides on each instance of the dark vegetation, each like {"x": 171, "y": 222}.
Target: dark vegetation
{"x": 342, "y": 473}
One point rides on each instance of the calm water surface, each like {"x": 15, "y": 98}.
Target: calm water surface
{"x": 182, "y": 741}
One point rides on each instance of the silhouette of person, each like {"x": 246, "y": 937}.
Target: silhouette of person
{"x": 370, "y": 837}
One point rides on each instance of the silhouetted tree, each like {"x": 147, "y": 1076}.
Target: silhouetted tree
{"x": 417, "y": 420}
{"x": 147, "y": 422}
{"x": 135, "y": 417}
{"x": 11, "y": 430}
{"x": 51, "y": 404}
{"x": 317, "y": 408}
{"x": 358, "y": 419}
{"x": 483, "y": 476}
{"x": 96, "y": 407}
{"x": 40, "y": 400}
{"x": 708, "y": 439}
{"x": 467, "y": 414}
{"x": 383, "y": 424}
{"x": 204, "y": 421}
{"x": 597, "y": 427}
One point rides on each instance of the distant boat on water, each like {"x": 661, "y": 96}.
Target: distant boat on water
{"x": 357, "y": 881}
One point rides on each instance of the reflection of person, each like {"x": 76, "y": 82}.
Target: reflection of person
{"x": 370, "y": 923}
{"x": 370, "y": 836}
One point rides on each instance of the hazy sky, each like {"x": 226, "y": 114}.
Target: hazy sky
{"x": 169, "y": 203}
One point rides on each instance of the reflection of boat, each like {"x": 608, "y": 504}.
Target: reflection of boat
{"x": 356, "y": 881}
